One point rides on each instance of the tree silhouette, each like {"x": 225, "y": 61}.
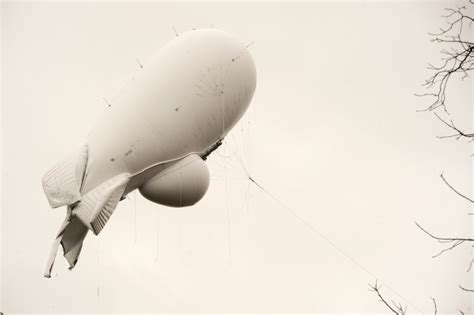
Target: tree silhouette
{"x": 457, "y": 63}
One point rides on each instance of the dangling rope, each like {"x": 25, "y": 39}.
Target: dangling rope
{"x": 222, "y": 111}
{"x": 98, "y": 264}
{"x": 157, "y": 231}
{"x": 227, "y": 216}
{"x": 135, "y": 212}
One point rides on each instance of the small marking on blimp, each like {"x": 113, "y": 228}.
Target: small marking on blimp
{"x": 175, "y": 32}
{"x": 128, "y": 152}
{"x": 112, "y": 159}
{"x": 110, "y": 105}
{"x": 139, "y": 63}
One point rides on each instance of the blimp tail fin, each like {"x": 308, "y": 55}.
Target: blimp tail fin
{"x": 71, "y": 236}
{"x": 98, "y": 205}
{"x": 72, "y": 240}
{"x": 91, "y": 213}
{"x": 62, "y": 183}
{"x": 54, "y": 249}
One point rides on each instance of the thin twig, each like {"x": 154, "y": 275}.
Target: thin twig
{"x": 435, "y": 306}
{"x": 456, "y": 240}
{"x": 465, "y": 289}
{"x": 395, "y": 309}
{"x": 454, "y": 189}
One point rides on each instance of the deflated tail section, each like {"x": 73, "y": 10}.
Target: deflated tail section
{"x": 98, "y": 205}
{"x": 91, "y": 211}
{"x": 72, "y": 240}
{"x": 54, "y": 249}
{"x": 71, "y": 236}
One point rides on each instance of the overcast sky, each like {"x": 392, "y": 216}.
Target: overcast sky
{"x": 332, "y": 133}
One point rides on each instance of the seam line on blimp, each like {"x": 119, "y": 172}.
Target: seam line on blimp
{"x": 174, "y": 160}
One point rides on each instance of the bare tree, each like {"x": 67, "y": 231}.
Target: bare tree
{"x": 457, "y": 60}
{"x": 457, "y": 63}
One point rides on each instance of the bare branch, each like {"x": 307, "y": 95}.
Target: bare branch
{"x": 464, "y": 289}
{"x": 470, "y": 265}
{"x": 454, "y": 189}
{"x": 455, "y": 241}
{"x": 451, "y": 125}
{"x": 395, "y": 309}
{"x": 459, "y": 55}
{"x": 445, "y": 239}
{"x": 435, "y": 306}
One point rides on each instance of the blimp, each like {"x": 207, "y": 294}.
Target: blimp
{"x": 155, "y": 137}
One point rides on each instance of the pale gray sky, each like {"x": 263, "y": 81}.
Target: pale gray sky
{"x": 332, "y": 132}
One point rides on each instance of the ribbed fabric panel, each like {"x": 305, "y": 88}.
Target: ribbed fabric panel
{"x": 97, "y": 206}
{"x": 62, "y": 183}
{"x": 103, "y": 215}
